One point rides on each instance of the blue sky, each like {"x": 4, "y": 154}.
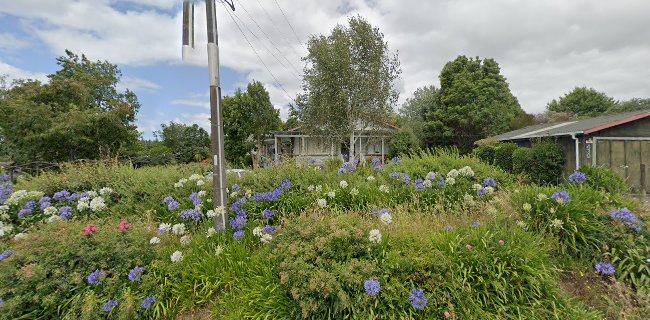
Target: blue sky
{"x": 545, "y": 47}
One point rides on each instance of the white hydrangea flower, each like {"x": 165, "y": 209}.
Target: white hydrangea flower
{"x": 331, "y": 194}
{"x": 354, "y": 192}
{"x": 450, "y": 181}
{"x": 343, "y": 184}
{"x": 83, "y": 204}
{"x": 431, "y": 176}
{"x": 154, "y": 240}
{"x": 427, "y": 183}
{"x": 383, "y": 188}
{"x": 106, "y": 191}
{"x": 310, "y": 188}
{"x": 185, "y": 240}
{"x": 53, "y": 219}
{"x": 257, "y": 231}
{"x": 319, "y": 188}
{"x": 195, "y": 177}
{"x": 375, "y": 236}
{"x": 477, "y": 187}
{"x": 179, "y": 229}
{"x": 178, "y": 185}
{"x": 557, "y": 223}
{"x": 202, "y": 193}
{"x": 97, "y": 204}
{"x": 453, "y": 173}
{"x": 322, "y": 203}
{"x": 211, "y": 232}
{"x": 92, "y": 194}
{"x": 165, "y": 226}
{"x": 371, "y": 178}
{"x": 200, "y": 182}
{"x": 266, "y": 238}
{"x": 177, "y": 256}
{"x": 489, "y": 190}
{"x": 50, "y": 210}
{"x": 4, "y": 209}
{"x": 20, "y": 236}
{"x": 386, "y": 218}
{"x": 466, "y": 171}
{"x": 527, "y": 207}
{"x": 5, "y": 229}
{"x": 541, "y": 197}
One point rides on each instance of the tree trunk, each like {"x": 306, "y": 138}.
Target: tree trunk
{"x": 351, "y": 147}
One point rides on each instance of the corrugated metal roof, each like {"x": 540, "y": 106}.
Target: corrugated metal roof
{"x": 571, "y": 127}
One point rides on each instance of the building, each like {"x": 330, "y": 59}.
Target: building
{"x": 295, "y": 144}
{"x": 620, "y": 142}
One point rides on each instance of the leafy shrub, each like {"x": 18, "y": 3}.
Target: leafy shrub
{"x": 503, "y": 155}
{"x": 486, "y": 152}
{"x": 47, "y": 276}
{"x": 543, "y": 163}
{"x": 601, "y": 178}
{"x": 522, "y": 158}
{"x": 403, "y": 143}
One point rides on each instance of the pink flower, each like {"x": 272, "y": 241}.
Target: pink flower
{"x": 502, "y": 243}
{"x": 447, "y": 314}
{"x": 124, "y": 225}
{"x": 90, "y": 229}
{"x": 468, "y": 247}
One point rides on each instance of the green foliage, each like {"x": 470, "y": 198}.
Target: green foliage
{"x": 47, "y": 276}
{"x": 413, "y": 111}
{"x": 248, "y": 118}
{"x": 582, "y": 101}
{"x": 543, "y": 163}
{"x": 498, "y": 154}
{"x": 634, "y": 104}
{"x": 473, "y": 102}
{"x": 521, "y": 159}
{"x": 349, "y": 82}
{"x": 188, "y": 143}
{"x": 604, "y": 179}
{"x": 78, "y": 114}
{"x": 403, "y": 143}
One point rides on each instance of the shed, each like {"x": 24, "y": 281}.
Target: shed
{"x": 620, "y": 142}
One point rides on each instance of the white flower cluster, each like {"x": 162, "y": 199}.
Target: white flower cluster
{"x": 386, "y": 218}
{"x": 383, "y": 188}
{"x": 321, "y": 203}
{"x": 21, "y": 195}
{"x": 179, "y": 229}
{"x": 343, "y": 184}
{"x": 375, "y": 236}
{"x": 180, "y": 183}
{"x": 185, "y": 240}
{"x": 354, "y": 192}
{"x": 264, "y": 237}
{"x": 331, "y": 194}
{"x": 557, "y": 224}
{"x": 97, "y": 204}
{"x": 371, "y": 178}
{"x": 5, "y": 229}
{"x": 53, "y": 218}
{"x": 469, "y": 199}
{"x": 106, "y": 191}
{"x": 211, "y": 232}
{"x": 431, "y": 176}
{"x": 216, "y": 211}
{"x": 466, "y": 171}
{"x": 154, "y": 240}
{"x": 177, "y": 256}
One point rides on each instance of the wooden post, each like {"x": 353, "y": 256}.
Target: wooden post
{"x": 643, "y": 182}
{"x": 275, "y": 140}
{"x": 382, "y": 150}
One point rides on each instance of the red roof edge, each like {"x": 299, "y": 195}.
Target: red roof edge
{"x": 617, "y": 123}
{"x": 295, "y": 129}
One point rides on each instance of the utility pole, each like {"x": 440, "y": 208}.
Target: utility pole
{"x": 216, "y": 110}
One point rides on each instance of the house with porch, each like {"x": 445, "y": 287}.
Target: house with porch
{"x": 296, "y": 144}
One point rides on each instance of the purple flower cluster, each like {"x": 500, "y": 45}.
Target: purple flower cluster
{"x": 481, "y": 192}
{"x": 348, "y": 167}
{"x": 135, "y": 273}
{"x": 196, "y": 199}
{"x": 172, "y": 204}
{"x": 489, "y": 182}
{"x": 4, "y": 178}
{"x": 268, "y": 214}
{"x": 578, "y": 177}
{"x": 605, "y": 268}
{"x": 27, "y": 209}
{"x": 419, "y": 185}
{"x": 241, "y": 219}
{"x": 269, "y": 229}
{"x": 418, "y": 299}
{"x": 270, "y": 196}
{"x": 476, "y": 224}
{"x": 561, "y": 197}
{"x": 286, "y": 185}
{"x": 148, "y": 303}
{"x": 5, "y": 192}
{"x": 397, "y": 160}
{"x": 96, "y": 276}
{"x": 627, "y": 217}
{"x": 400, "y": 176}
{"x": 238, "y": 235}
{"x": 108, "y": 307}
{"x": 62, "y": 196}
{"x": 66, "y": 212}
{"x": 372, "y": 287}
{"x": 238, "y": 223}
{"x": 235, "y": 187}
{"x": 376, "y": 162}
{"x": 6, "y": 254}
{"x": 194, "y": 214}
{"x": 45, "y": 202}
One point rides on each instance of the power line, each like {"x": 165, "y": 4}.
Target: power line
{"x": 265, "y": 47}
{"x": 259, "y": 57}
{"x": 268, "y": 37}
{"x": 289, "y": 23}
{"x": 284, "y": 37}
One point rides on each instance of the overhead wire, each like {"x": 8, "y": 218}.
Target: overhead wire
{"x": 277, "y": 82}
{"x": 289, "y": 23}
{"x": 284, "y": 36}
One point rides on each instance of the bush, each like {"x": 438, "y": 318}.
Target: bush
{"x": 604, "y": 179}
{"x": 486, "y": 152}
{"x": 403, "y": 143}
{"x": 543, "y": 163}
{"x": 503, "y": 156}
{"x": 522, "y": 158}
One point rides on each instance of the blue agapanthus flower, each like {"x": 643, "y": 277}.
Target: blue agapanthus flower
{"x": 173, "y": 205}
{"x": 397, "y": 160}
{"x": 578, "y": 177}
{"x": 372, "y": 287}
{"x": 268, "y": 214}
{"x": 148, "y": 303}
{"x": 489, "y": 182}
{"x": 96, "y": 276}
{"x": 66, "y": 212}
{"x": 24, "y": 212}
{"x": 375, "y": 162}
{"x": 481, "y": 192}
{"x": 168, "y": 199}
{"x": 135, "y": 273}
{"x": 196, "y": 199}
{"x": 268, "y": 229}
{"x": 62, "y": 196}
{"x": 605, "y": 268}
{"x": 561, "y": 197}
{"x": 476, "y": 224}
{"x": 235, "y": 187}
{"x": 286, "y": 185}
{"x": 194, "y": 214}
{"x": 418, "y": 299}
{"x": 108, "y": 307}
{"x": 6, "y": 254}
{"x": 342, "y": 171}
{"x": 449, "y": 228}
{"x": 5, "y": 192}
{"x": 419, "y": 185}
{"x": 238, "y": 235}
{"x": 238, "y": 223}
{"x": 627, "y": 217}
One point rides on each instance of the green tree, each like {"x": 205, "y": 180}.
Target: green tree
{"x": 474, "y": 102}
{"x": 582, "y": 101}
{"x": 634, "y": 104}
{"x": 78, "y": 114}
{"x": 349, "y": 83}
{"x": 414, "y": 109}
{"x": 249, "y": 118}
{"x": 403, "y": 142}
{"x": 187, "y": 142}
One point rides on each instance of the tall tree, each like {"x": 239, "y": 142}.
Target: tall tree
{"x": 634, "y": 104}
{"x": 414, "y": 110}
{"x": 474, "y": 101}
{"x": 249, "y": 118}
{"x": 583, "y": 102}
{"x": 79, "y": 113}
{"x": 188, "y": 142}
{"x": 348, "y": 82}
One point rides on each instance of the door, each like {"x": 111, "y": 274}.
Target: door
{"x": 628, "y": 158}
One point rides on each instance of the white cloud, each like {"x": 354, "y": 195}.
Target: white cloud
{"x": 14, "y": 73}
{"x": 202, "y": 119}
{"x": 137, "y": 84}
{"x": 9, "y": 42}
{"x": 191, "y": 103}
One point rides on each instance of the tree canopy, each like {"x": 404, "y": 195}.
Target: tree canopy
{"x": 187, "y": 142}
{"x": 414, "y": 110}
{"x": 78, "y": 114}
{"x": 348, "y": 82}
{"x": 634, "y": 104}
{"x": 248, "y": 119}
{"x": 582, "y": 101}
{"x": 474, "y": 101}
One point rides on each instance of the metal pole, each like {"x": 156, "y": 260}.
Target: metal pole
{"x": 216, "y": 117}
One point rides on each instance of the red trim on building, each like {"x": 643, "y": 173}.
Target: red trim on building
{"x": 616, "y": 123}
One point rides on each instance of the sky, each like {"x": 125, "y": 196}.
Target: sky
{"x": 545, "y": 47}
